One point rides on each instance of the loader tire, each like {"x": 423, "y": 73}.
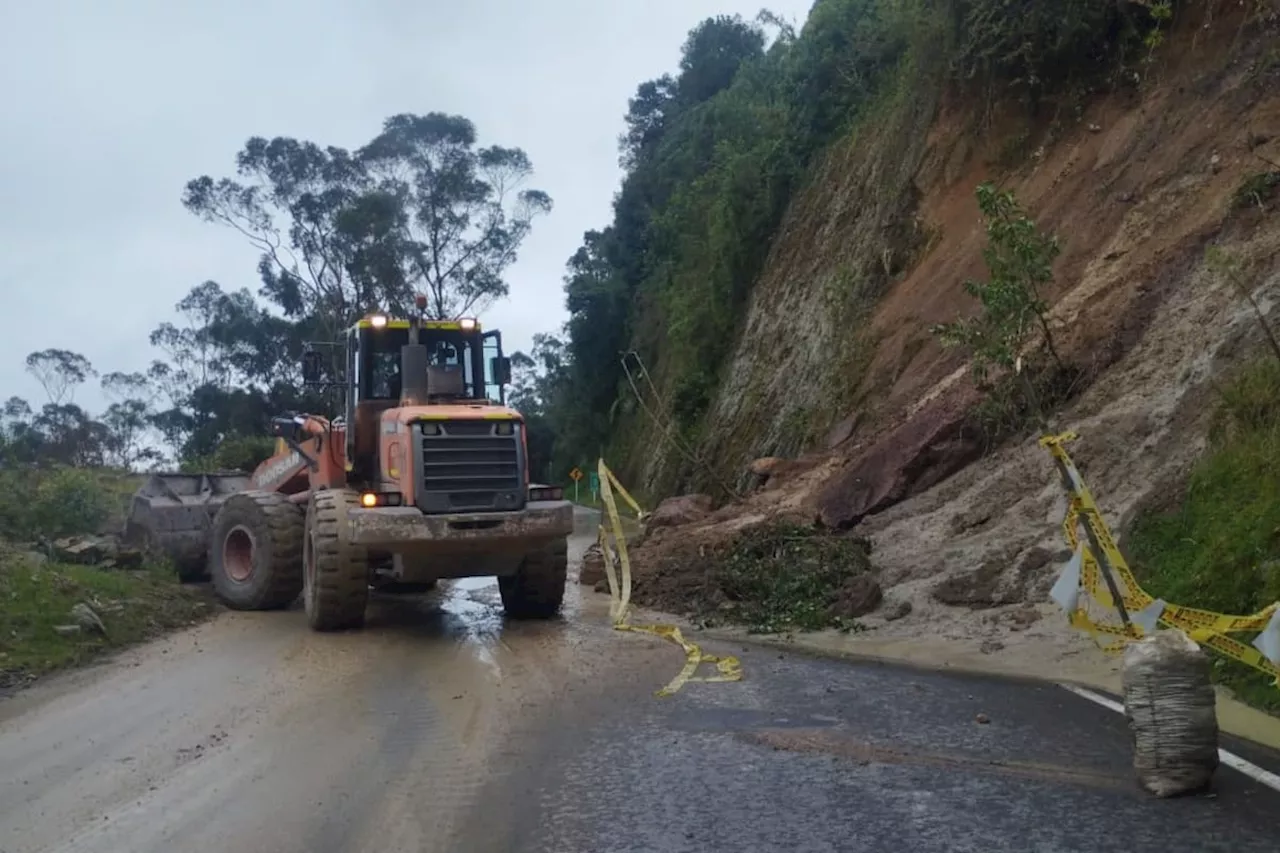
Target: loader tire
{"x": 336, "y": 572}
{"x": 536, "y": 590}
{"x": 255, "y": 551}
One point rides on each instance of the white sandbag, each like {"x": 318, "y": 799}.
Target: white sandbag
{"x": 1169, "y": 701}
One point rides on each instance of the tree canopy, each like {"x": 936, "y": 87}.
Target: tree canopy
{"x": 421, "y": 208}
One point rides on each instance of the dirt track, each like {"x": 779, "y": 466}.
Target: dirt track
{"x": 441, "y": 728}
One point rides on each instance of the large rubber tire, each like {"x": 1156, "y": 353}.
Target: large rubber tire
{"x": 255, "y": 551}
{"x": 336, "y": 573}
{"x": 536, "y": 590}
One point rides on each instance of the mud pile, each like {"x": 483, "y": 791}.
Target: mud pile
{"x": 772, "y": 576}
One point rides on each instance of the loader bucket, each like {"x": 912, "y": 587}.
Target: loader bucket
{"x": 171, "y": 514}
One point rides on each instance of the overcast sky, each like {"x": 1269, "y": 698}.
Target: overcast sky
{"x": 110, "y": 107}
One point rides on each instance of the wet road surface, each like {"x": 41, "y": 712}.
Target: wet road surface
{"x": 442, "y": 728}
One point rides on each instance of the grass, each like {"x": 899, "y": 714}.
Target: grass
{"x": 1219, "y": 546}
{"x": 36, "y": 598}
{"x": 1257, "y": 190}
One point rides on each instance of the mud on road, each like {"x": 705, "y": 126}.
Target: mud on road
{"x": 441, "y": 727}
{"x": 253, "y": 733}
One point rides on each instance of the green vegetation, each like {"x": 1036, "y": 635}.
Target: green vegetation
{"x": 1257, "y": 190}
{"x": 1015, "y": 363}
{"x": 782, "y": 577}
{"x": 714, "y": 154}
{"x": 59, "y": 501}
{"x": 39, "y": 628}
{"x": 36, "y": 603}
{"x": 1218, "y": 547}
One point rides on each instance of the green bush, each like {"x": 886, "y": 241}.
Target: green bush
{"x": 1040, "y": 44}
{"x": 54, "y": 502}
{"x": 1218, "y": 546}
{"x": 786, "y": 577}
{"x": 238, "y": 453}
{"x": 15, "y": 504}
{"x": 70, "y": 501}
{"x": 244, "y": 453}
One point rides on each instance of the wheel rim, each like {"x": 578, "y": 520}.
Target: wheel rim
{"x": 237, "y": 554}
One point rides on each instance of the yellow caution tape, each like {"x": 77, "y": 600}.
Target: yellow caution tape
{"x": 728, "y": 667}
{"x": 1206, "y": 627}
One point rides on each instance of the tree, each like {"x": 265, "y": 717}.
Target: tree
{"x": 523, "y": 396}
{"x": 463, "y": 214}
{"x": 193, "y": 353}
{"x": 342, "y": 234}
{"x": 20, "y": 443}
{"x": 119, "y": 387}
{"x": 127, "y": 423}
{"x": 69, "y": 435}
{"x": 647, "y": 114}
{"x": 289, "y": 204}
{"x": 1020, "y": 260}
{"x": 539, "y": 394}
{"x": 712, "y": 55}
{"x": 59, "y": 372}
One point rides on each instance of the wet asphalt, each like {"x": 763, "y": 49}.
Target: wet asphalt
{"x": 441, "y": 727}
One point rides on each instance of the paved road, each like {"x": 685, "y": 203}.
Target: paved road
{"x": 440, "y": 728}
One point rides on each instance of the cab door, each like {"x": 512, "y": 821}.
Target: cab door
{"x": 497, "y": 370}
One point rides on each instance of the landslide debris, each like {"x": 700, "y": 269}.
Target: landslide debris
{"x": 773, "y": 577}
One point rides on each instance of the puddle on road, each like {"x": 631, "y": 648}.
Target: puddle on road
{"x": 463, "y": 619}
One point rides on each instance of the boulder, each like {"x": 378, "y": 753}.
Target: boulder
{"x": 897, "y": 609}
{"x": 678, "y": 511}
{"x": 86, "y": 550}
{"x": 87, "y": 619}
{"x": 767, "y": 466}
{"x": 919, "y": 453}
{"x": 978, "y": 589}
{"x": 860, "y": 595}
{"x": 592, "y": 570}
{"x": 843, "y": 431}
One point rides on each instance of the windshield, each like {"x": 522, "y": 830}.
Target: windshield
{"x": 378, "y": 359}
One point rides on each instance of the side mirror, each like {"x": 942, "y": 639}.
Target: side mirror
{"x": 286, "y": 428}
{"x": 500, "y": 366}
{"x": 311, "y": 366}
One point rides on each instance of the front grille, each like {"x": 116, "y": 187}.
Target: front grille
{"x": 467, "y": 467}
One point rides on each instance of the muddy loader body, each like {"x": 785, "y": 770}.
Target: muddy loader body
{"x": 424, "y": 476}
{"x": 171, "y": 514}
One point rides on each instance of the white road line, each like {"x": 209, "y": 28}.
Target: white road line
{"x": 1253, "y": 771}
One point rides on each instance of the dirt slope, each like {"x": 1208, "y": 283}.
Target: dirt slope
{"x": 1136, "y": 187}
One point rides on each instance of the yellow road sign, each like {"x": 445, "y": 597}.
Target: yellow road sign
{"x": 576, "y": 474}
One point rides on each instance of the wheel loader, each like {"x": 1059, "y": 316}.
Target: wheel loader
{"x": 424, "y": 476}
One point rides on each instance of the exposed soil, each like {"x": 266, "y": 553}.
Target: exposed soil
{"x": 966, "y": 542}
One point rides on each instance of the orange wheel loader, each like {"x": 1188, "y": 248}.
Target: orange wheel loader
{"x": 424, "y": 476}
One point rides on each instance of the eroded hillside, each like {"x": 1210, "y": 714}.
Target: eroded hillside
{"x": 835, "y": 362}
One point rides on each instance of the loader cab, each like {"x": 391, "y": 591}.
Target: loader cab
{"x": 374, "y": 348}
{"x": 373, "y": 380}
